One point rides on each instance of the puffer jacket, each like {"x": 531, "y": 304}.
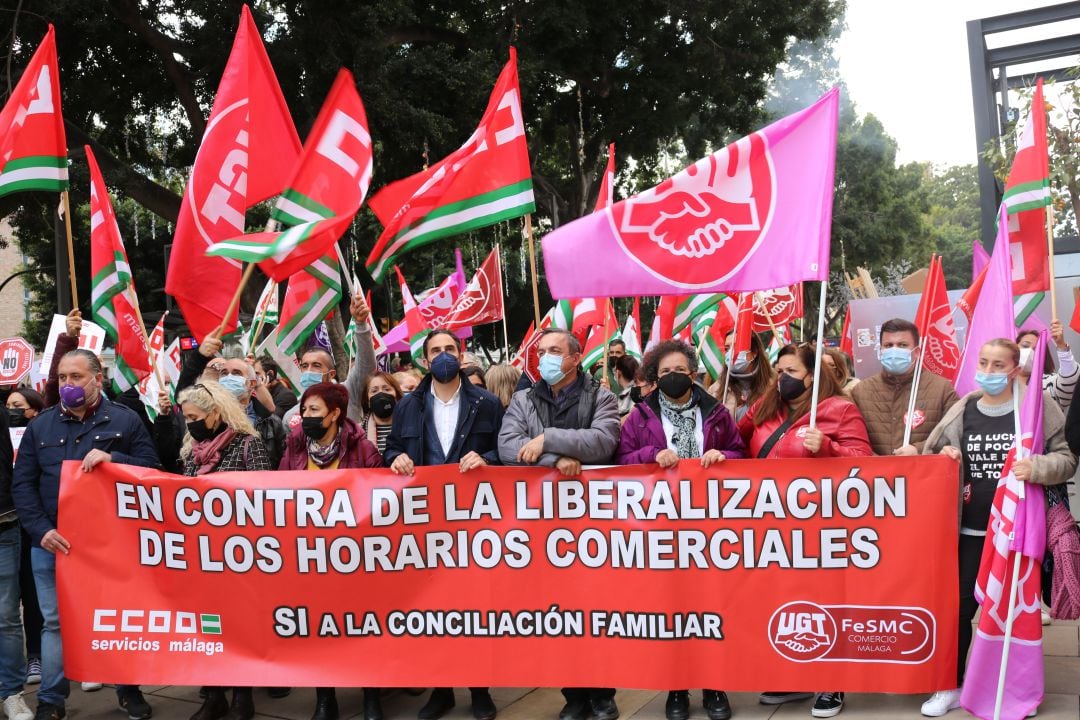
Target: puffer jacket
{"x": 1054, "y": 467}
{"x": 642, "y": 436}
{"x": 837, "y": 418}
{"x": 883, "y": 401}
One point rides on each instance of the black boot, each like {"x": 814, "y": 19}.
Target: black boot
{"x": 440, "y": 703}
{"x": 214, "y": 705}
{"x": 716, "y": 704}
{"x": 243, "y": 707}
{"x": 483, "y": 707}
{"x": 677, "y": 706}
{"x": 325, "y": 704}
{"x": 372, "y": 704}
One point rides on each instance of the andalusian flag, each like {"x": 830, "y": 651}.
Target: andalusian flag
{"x": 597, "y": 345}
{"x": 631, "y": 333}
{"x": 112, "y": 290}
{"x": 33, "y": 148}
{"x": 483, "y": 182}
{"x": 312, "y": 294}
{"x": 691, "y": 306}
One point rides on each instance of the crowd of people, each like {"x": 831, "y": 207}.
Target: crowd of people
{"x": 238, "y": 414}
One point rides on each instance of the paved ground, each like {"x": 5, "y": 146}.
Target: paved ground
{"x": 1062, "y": 649}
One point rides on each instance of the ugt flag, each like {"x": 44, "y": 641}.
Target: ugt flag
{"x": 1017, "y": 525}
{"x": 755, "y": 215}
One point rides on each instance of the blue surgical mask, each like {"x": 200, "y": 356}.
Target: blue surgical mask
{"x": 234, "y": 384}
{"x": 308, "y": 378}
{"x": 551, "y": 369}
{"x": 992, "y": 383}
{"x": 741, "y": 363}
{"x": 895, "y": 360}
{"x": 445, "y": 367}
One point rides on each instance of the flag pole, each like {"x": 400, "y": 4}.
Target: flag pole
{"x": 532, "y": 266}
{"x": 234, "y": 304}
{"x": 70, "y": 249}
{"x": 262, "y": 321}
{"x": 345, "y": 274}
{"x": 761, "y": 303}
{"x": 146, "y": 340}
{"x": 820, "y": 349}
{"x": 1000, "y": 697}
{"x": 502, "y": 291}
{"x": 1050, "y": 257}
{"x": 928, "y": 292}
{"x": 607, "y": 316}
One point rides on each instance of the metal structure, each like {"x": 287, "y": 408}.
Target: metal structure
{"x": 990, "y": 82}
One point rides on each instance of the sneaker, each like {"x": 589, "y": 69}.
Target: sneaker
{"x": 48, "y": 711}
{"x": 132, "y": 700}
{"x": 941, "y": 702}
{"x": 33, "y": 671}
{"x": 828, "y": 704}
{"x": 15, "y": 708}
{"x": 1045, "y": 618}
{"x": 91, "y": 687}
{"x": 779, "y": 698}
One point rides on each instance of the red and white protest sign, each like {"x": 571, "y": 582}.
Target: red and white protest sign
{"x": 16, "y": 357}
{"x": 811, "y": 573}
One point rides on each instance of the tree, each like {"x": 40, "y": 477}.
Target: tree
{"x": 138, "y": 79}
{"x": 953, "y": 217}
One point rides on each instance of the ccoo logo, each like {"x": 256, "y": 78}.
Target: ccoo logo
{"x": 698, "y": 228}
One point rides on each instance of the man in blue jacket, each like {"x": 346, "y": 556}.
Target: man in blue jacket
{"x": 85, "y": 426}
{"x": 446, "y": 420}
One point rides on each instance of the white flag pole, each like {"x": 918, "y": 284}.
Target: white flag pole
{"x": 908, "y": 420}
{"x": 502, "y": 292}
{"x": 818, "y": 354}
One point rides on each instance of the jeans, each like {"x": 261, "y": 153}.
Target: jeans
{"x": 31, "y": 612}
{"x": 12, "y": 660}
{"x": 54, "y": 686}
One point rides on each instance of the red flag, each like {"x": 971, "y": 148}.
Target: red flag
{"x": 1074, "y": 323}
{"x": 248, "y": 152}
{"x": 940, "y": 351}
{"x": 606, "y": 196}
{"x": 483, "y": 182}
{"x": 845, "y": 334}
{"x": 1027, "y": 193}
{"x": 482, "y": 301}
{"x": 33, "y": 147}
{"x": 781, "y": 305}
{"x": 663, "y": 325}
{"x": 743, "y": 324}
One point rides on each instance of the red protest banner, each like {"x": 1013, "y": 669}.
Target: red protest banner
{"x": 795, "y": 574}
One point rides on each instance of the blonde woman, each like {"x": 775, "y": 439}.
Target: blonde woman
{"x": 220, "y": 438}
{"x": 502, "y": 380}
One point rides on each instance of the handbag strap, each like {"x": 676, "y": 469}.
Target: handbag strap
{"x": 775, "y": 437}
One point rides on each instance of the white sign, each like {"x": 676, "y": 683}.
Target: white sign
{"x": 92, "y": 338}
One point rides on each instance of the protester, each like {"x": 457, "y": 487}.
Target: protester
{"x": 58, "y": 434}
{"x": 239, "y": 378}
{"x": 680, "y": 422}
{"x": 970, "y": 434}
{"x": 883, "y": 399}
{"x": 220, "y": 438}
{"x": 469, "y": 361}
{"x": 268, "y": 373}
{"x": 778, "y": 426}
{"x": 317, "y": 365}
{"x": 1061, "y": 384}
{"x": 328, "y": 440}
{"x": 626, "y": 368}
{"x": 65, "y": 343}
{"x": 839, "y": 364}
{"x": 380, "y": 394}
{"x": 564, "y": 421}
{"x": 463, "y": 423}
{"x": 13, "y": 667}
{"x": 501, "y": 381}
{"x": 408, "y": 380}
{"x": 23, "y": 405}
{"x": 475, "y": 375}
{"x": 750, "y": 376}
{"x": 615, "y": 349}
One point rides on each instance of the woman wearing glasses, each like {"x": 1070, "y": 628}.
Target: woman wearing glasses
{"x": 220, "y": 438}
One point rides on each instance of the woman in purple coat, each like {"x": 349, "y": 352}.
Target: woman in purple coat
{"x": 680, "y": 421}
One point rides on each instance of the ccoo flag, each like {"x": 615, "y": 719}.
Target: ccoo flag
{"x": 483, "y": 182}
{"x": 248, "y": 151}
{"x": 755, "y": 215}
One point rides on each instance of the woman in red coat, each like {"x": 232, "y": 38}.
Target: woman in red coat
{"x": 778, "y": 426}
{"x": 328, "y": 440}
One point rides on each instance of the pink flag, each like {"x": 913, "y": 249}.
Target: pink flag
{"x": 979, "y": 259}
{"x": 1018, "y": 512}
{"x": 755, "y": 215}
{"x": 993, "y": 313}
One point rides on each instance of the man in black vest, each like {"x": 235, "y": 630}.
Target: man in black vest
{"x": 445, "y": 420}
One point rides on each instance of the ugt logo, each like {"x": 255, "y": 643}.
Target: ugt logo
{"x": 699, "y": 227}
{"x": 802, "y": 631}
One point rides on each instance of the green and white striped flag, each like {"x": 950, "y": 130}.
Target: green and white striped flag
{"x": 312, "y": 294}
{"x": 693, "y": 305}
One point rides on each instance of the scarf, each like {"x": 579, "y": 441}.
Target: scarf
{"x": 323, "y": 455}
{"x": 684, "y": 418}
{"x": 207, "y": 453}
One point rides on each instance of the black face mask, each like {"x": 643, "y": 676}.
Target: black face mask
{"x": 199, "y": 430}
{"x": 382, "y": 405}
{"x": 790, "y": 387}
{"x": 17, "y": 417}
{"x": 675, "y": 384}
{"x": 635, "y": 394}
{"x": 313, "y": 427}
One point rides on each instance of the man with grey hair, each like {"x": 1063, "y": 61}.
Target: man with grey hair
{"x": 85, "y": 426}
{"x": 238, "y": 377}
{"x": 565, "y": 420}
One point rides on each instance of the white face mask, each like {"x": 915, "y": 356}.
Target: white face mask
{"x": 1026, "y": 357}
